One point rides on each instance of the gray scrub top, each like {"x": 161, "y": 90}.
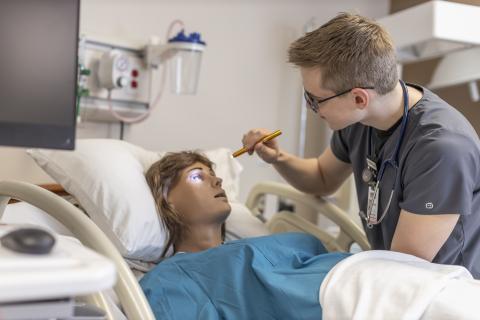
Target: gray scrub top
{"x": 438, "y": 173}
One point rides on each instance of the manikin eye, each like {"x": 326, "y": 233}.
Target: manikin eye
{"x": 196, "y": 176}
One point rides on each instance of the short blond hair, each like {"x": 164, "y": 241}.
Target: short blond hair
{"x": 352, "y": 51}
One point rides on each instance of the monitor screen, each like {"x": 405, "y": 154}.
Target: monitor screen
{"x": 38, "y": 72}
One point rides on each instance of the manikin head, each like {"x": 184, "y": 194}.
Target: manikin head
{"x": 187, "y": 194}
{"x": 346, "y": 55}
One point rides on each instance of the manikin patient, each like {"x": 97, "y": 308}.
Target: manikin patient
{"x": 272, "y": 277}
{"x": 190, "y": 199}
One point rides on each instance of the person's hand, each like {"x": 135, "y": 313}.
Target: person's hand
{"x": 268, "y": 151}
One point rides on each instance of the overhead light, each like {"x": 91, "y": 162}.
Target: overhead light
{"x": 433, "y": 29}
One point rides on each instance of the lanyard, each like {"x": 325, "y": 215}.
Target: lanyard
{"x": 392, "y": 161}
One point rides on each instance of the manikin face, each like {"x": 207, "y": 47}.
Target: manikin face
{"x": 338, "y": 112}
{"x": 198, "y": 196}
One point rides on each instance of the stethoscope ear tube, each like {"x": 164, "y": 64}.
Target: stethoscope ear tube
{"x": 384, "y": 213}
{"x": 368, "y": 175}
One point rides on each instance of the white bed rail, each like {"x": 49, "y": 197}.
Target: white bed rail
{"x": 288, "y": 221}
{"x": 131, "y": 297}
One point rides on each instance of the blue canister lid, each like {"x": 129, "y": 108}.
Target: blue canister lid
{"x": 193, "y": 37}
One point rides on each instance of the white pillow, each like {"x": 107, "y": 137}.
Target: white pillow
{"x": 106, "y": 176}
{"x": 22, "y": 212}
{"x": 242, "y": 224}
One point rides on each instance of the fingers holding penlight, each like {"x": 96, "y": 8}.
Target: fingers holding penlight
{"x": 252, "y": 137}
{"x": 268, "y": 154}
{"x": 262, "y": 142}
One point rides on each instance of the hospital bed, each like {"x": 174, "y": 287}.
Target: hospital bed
{"x": 127, "y": 289}
{"x": 128, "y": 292}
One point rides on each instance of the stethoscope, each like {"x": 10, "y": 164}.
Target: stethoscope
{"x": 369, "y": 174}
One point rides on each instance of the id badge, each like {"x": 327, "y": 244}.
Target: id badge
{"x": 373, "y": 197}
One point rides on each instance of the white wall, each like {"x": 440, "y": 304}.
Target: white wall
{"x": 245, "y": 81}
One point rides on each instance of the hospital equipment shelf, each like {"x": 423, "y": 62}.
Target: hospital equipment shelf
{"x": 433, "y": 29}
{"x": 287, "y": 221}
{"x": 127, "y": 288}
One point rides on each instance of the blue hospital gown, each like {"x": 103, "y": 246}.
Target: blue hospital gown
{"x": 272, "y": 277}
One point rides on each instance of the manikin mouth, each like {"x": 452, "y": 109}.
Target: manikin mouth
{"x": 221, "y": 195}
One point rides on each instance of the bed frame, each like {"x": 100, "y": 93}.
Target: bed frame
{"x": 48, "y": 198}
{"x": 127, "y": 288}
{"x": 285, "y": 221}
{"x": 52, "y": 187}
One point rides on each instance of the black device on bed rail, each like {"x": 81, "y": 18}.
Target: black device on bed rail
{"x": 28, "y": 240}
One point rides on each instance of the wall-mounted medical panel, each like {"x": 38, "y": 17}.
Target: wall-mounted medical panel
{"x": 116, "y": 78}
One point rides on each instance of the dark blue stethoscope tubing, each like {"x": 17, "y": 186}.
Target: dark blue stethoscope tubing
{"x": 393, "y": 161}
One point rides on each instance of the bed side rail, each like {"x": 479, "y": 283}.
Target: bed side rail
{"x": 349, "y": 231}
{"x": 127, "y": 288}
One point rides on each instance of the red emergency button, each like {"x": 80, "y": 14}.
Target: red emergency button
{"x": 134, "y": 84}
{"x": 134, "y": 73}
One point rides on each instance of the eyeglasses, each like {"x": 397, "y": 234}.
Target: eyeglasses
{"x": 313, "y": 102}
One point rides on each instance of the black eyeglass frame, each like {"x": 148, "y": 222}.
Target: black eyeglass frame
{"x": 313, "y": 103}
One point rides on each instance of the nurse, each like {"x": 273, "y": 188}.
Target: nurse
{"x": 415, "y": 159}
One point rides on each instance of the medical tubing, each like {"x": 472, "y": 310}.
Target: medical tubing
{"x": 142, "y": 116}
{"x": 404, "y": 120}
{"x": 393, "y": 162}
{"x": 386, "y": 207}
{"x": 155, "y": 101}
{"x": 164, "y": 73}
{"x": 370, "y": 206}
{"x": 402, "y": 133}
{"x": 172, "y": 25}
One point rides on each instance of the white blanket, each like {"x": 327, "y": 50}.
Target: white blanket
{"x": 390, "y": 285}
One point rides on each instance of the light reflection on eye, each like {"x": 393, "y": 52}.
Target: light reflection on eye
{"x": 196, "y": 176}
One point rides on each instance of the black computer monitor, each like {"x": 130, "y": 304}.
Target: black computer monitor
{"x": 38, "y": 72}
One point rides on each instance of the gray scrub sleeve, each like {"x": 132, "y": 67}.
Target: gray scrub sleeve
{"x": 338, "y": 145}
{"x": 439, "y": 175}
